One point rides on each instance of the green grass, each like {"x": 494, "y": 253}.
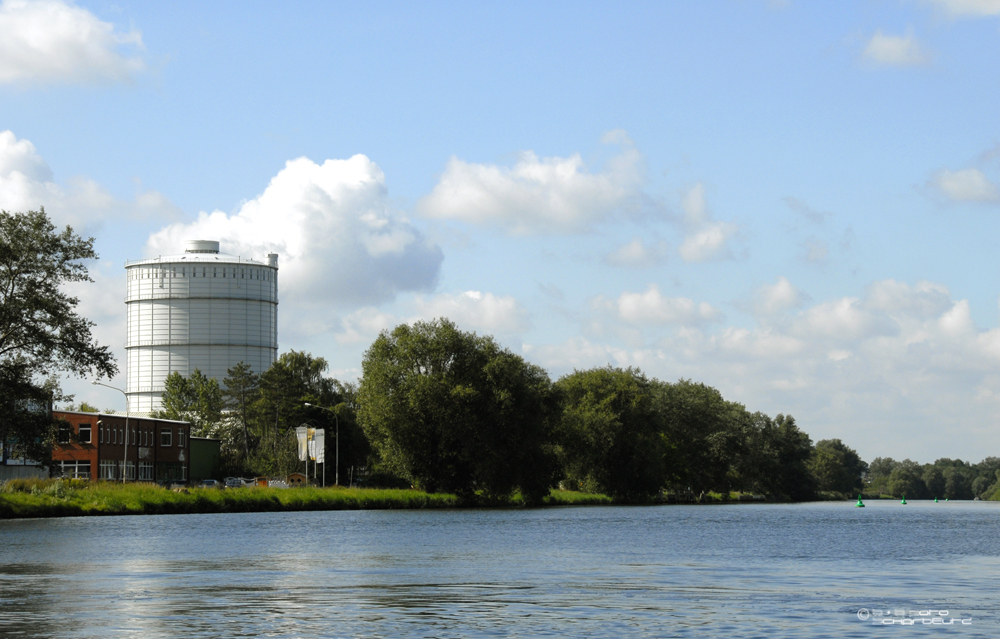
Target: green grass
{"x": 56, "y": 498}
{"x": 21, "y": 498}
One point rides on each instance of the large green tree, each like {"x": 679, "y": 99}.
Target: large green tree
{"x": 698, "y": 430}
{"x": 609, "y": 435}
{"x": 837, "y": 467}
{"x": 454, "y": 411}
{"x": 41, "y": 334}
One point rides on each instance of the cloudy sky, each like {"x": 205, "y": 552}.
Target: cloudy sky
{"x": 796, "y": 203}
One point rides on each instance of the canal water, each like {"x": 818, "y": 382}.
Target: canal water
{"x": 751, "y": 570}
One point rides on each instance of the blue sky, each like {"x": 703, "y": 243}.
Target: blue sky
{"x": 794, "y": 202}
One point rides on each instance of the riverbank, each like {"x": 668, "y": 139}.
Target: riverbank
{"x": 21, "y": 499}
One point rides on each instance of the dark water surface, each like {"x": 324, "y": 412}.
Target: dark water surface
{"x": 666, "y": 571}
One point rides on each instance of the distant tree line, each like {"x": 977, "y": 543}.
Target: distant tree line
{"x": 944, "y": 479}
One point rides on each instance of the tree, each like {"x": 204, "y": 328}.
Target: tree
{"x": 40, "y": 332}
{"x": 242, "y": 388}
{"x": 934, "y": 481}
{"x": 907, "y": 480}
{"x": 609, "y": 435}
{"x": 697, "y": 430}
{"x": 454, "y": 411}
{"x": 794, "y": 448}
{"x": 837, "y": 467}
{"x": 196, "y": 399}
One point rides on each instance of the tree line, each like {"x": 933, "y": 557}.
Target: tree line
{"x": 448, "y": 410}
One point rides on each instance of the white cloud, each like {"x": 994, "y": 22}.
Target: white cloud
{"x": 332, "y": 226}
{"x": 473, "y": 310}
{"x": 636, "y": 254}
{"x": 965, "y": 185}
{"x": 773, "y": 299}
{"x": 27, "y": 184}
{"x": 706, "y": 238}
{"x": 895, "y": 51}
{"x": 538, "y": 195}
{"x": 364, "y": 324}
{"x": 51, "y": 41}
{"x": 707, "y": 243}
{"x": 883, "y": 371}
{"x": 652, "y": 307}
{"x": 924, "y": 299}
{"x": 968, "y": 8}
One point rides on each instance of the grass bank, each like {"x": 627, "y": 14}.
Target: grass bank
{"x": 62, "y": 498}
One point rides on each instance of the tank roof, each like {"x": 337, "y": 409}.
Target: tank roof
{"x": 201, "y": 252}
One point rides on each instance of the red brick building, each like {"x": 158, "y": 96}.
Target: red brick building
{"x": 93, "y": 447}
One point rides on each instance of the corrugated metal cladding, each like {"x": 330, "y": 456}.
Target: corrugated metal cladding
{"x": 202, "y": 309}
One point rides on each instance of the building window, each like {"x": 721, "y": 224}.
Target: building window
{"x": 180, "y": 437}
{"x": 130, "y": 471}
{"x": 74, "y": 469}
{"x": 100, "y": 433}
{"x": 145, "y": 471}
{"x": 166, "y": 435}
{"x": 108, "y": 470}
{"x": 64, "y": 434}
{"x": 84, "y": 433}
{"x": 114, "y": 431}
{"x": 171, "y": 471}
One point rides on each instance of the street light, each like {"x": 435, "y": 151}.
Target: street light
{"x": 124, "y": 461}
{"x": 336, "y": 470}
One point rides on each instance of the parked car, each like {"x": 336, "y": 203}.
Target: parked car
{"x": 210, "y": 483}
{"x": 234, "y": 482}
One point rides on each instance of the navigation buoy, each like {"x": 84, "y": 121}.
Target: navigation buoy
{"x": 859, "y": 504}
{"x": 935, "y": 500}
{"x": 904, "y": 500}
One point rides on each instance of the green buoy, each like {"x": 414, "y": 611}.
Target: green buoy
{"x": 859, "y": 504}
{"x": 904, "y": 500}
{"x": 935, "y": 500}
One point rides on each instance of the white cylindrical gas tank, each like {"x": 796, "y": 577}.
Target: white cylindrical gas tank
{"x": 201, "y": 309}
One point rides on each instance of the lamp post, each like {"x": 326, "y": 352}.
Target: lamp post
{"x": 125, "y": 460}
{"x": 336, "y": 470}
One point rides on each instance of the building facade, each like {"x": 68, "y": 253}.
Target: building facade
{"x": 93, "y": 446}
{"x": 200, "y": 309}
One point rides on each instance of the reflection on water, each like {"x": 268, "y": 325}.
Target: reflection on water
{"x": 722, "y": 571}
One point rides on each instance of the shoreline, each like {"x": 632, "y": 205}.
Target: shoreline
{"x": 32, "y": 499}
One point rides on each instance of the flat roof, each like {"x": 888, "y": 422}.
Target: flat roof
{"x": 197, "y": 258}
{"x": 122, "y": 415}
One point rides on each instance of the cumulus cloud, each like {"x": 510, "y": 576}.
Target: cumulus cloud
{"x": 965, "y": 185}
{"x": 473, "y": 310}
{"x": 51, "y": 41}
{"x": 331, "y": 224}
{"x": 652, "y": 307}
{"x": 773, "y": 299}
{"x": 27, "y": 184}
{"x": 706, "y": 239}
{"x": 637, "y": 254}
{"x": 968, "y": 8}
{"x": 895, "y": 51}
{"x": 538, "y": 195}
